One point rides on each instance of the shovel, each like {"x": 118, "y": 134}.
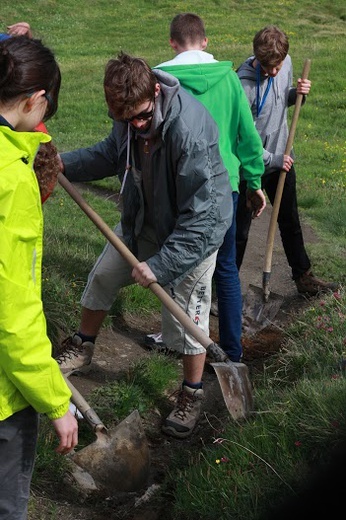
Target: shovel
{"x": 260, "y": 306}
{"x": 119, "y": 459}
{"x": 233, "y": 377}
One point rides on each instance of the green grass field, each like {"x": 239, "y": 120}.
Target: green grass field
{"x": 301, "y": 396}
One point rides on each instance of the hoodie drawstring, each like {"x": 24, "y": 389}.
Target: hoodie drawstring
{"x": 128, "y": 165}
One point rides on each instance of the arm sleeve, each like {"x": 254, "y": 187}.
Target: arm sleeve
{"x": 98, "y": 161}
{"x": 249, "y": 147}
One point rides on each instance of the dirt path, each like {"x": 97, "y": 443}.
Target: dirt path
{"x": 118, "y": 347}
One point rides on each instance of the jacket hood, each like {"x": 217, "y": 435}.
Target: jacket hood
{"x": 201, "y": 77}
{"x": 19, "y": 145}
{"x": 169, "y": 89}
{"x": 246, "y": 70}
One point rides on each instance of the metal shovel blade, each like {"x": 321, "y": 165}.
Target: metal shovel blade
{"x": 234, "y": 382}
{"x": 258, "y": 313}
{"x": 119, "y": 458}
{"x": 236, "y": 388}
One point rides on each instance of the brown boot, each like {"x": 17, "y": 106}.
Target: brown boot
{"x": 76, "y": 355}
{"x": 309, "y": 285}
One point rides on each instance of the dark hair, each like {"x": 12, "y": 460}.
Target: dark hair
{"x": 270, "y": 45}
{"x": 128, "y": 82}
{"x": 187, "y": 28}
{"x": 27, "y": 66}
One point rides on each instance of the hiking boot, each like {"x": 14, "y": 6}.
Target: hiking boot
{"x": 309, "y": 285}
{"x": 183, "y": 418}
{"x": 76, "y": 355}
{"x": 154, "y": 343}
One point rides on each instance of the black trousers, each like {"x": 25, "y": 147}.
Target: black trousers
{"x": 288, "y": 222}
{"x": 18, "y": 439}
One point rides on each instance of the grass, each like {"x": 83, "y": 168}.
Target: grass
{"x": 299, "y": 418}
{"x": 299, "y": 399}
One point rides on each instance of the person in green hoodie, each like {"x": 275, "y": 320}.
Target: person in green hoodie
{"x": 30, "y": 379}
{"x": 216, "y": 85}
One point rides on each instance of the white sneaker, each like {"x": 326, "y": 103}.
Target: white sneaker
{"x": 154, "y": 339}
{"x": 155, "y": 343}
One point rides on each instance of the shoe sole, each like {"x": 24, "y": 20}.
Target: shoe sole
{"x": 169, "y": 430}
{"x": 164, "y": 351}
{"x": 77, "y": 371}
{"x": 317, "y": 293}
{"x": 153, "y": 344}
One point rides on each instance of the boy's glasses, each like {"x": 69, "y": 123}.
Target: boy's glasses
{"x": 142, "y": 116}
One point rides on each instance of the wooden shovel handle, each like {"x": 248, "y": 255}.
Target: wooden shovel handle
{"x": 281, "y": 182}
{"x": 88, "y": 413}
{"x": 166, "y": 300}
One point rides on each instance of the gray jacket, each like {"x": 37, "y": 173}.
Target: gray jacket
{"x": 272, "y": 121}
{"x": 191, "y": 193}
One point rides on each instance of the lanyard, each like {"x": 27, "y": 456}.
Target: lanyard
{"x": 260, "y": 103}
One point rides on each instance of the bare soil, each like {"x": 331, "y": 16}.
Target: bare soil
{"x": 119, "y": 346}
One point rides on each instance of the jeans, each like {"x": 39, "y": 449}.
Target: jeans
{"x": 288, "y": 222}
{"x": 18, "y": 439}
{"x": 228, "y": 290}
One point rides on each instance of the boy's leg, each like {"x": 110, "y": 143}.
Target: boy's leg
{"x": 243, "y": 224}
{"x": 110, "y": 273}
{"x": 229, "y": 295}
{"x": 193, "y": 295}
{"x": 292, "y": 237}
{"x": 288, "y": 222}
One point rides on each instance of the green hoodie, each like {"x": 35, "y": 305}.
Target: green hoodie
{"x": 217, "y": 86}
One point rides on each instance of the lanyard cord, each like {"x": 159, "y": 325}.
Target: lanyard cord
{"x": 260, "y": 103}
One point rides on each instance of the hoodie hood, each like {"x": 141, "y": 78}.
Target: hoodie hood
{"x": 202, "y": 77}
{"x": 192, "y": 56}
{"x": 246, "y": 70}
{"x": 217, "y": 87}
{"x": 169, "y": 87}
{"x": 271, "y": 123}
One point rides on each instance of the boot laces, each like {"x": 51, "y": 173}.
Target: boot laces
{"x": 70, "y": 350}
{"x": 184, "y": 404}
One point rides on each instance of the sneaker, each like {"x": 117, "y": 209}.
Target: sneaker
{"x": 154, "y": 339}
{"x": 183, "y": 418}
{"x": 214, "y": 308}
{"x": 309, "y": 285}
{"x": 76, "y": 355}
{"x": 154, "y": 343}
